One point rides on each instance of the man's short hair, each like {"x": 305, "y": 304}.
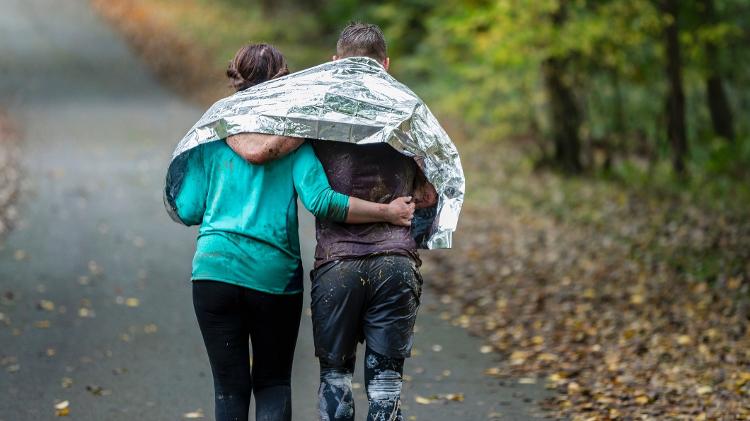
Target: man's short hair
{"x": 362, "y": 39}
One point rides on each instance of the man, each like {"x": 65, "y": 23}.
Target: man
{"x": 366, "y": 284}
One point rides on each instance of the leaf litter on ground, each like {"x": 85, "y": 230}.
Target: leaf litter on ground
{"x": 626, "y": 304}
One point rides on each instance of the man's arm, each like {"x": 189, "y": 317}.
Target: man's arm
{"x": 259, "y": 148}
{"x": 425, "y": 195}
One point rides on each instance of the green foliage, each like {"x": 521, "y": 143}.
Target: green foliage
{"x": 479, "y": 62}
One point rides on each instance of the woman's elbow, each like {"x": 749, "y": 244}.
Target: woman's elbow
{"x": 189, "y": 218}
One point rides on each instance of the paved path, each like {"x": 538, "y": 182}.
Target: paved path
{"x": 94, "y": 237}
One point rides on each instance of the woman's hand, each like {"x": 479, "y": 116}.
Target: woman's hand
{"x": 398, "y": 212}
{"x": 401, "y": 211}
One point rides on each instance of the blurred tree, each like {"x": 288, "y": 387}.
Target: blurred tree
{"x": 676, "y": 129}
{"x": 632, "y": 80}
{"x": 565, "y": 115}
{"x": 718, "y": 103}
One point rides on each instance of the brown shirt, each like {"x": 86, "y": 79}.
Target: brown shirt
{"x": 377, "y": 173}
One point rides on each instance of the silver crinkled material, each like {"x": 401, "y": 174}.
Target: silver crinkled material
{"x": 351, "y": 100}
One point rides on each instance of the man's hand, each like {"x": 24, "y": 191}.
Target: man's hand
{"x": 259, "y": 148}
{"x": 401, "y": 211}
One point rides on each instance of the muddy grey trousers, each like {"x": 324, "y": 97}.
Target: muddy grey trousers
{"x": 375, "y": 299}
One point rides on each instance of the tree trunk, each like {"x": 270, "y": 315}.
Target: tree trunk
{"x": 676, "y": 130}
{"x": 718, "y": 103}
{"x": 565, "y": 115}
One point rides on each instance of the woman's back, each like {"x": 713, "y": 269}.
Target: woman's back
{"x": 248, "y": 215}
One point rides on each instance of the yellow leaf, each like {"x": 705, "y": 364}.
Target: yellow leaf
{"x": 456, "y": 397}
{"x": 422, "y": 400}
{"x": 492, "y": 371}
{"x": 62, "y": 409}
{"x": 642, "y": 400}
{"x": 47, "y": 305}
{"x": 684, "y": 340}
{"x": 704, "y": 390}
{"x": 195, "y": 414}
{"x": 573, "y": 388}
{"x": 546, "y": 356}
{"x": 42, "y": 324}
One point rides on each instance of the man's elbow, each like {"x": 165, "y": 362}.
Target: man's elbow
{"x": 426, "y": 198}
{"x": 252, "y": 147}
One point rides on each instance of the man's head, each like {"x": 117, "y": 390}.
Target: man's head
{"x": 362, "y": 39}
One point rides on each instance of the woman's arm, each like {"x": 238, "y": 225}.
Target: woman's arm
{"x": 316, "y": 194}
{"x": 259, "y": 148}
{"x": 398, "y": 212}
{"x": 191, "y": 198}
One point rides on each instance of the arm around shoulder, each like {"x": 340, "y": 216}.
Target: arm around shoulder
{"x": 259, "y": 148}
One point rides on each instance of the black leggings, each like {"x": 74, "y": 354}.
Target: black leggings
{"x": 229, "y": 314}
{"x": 383, "y": 380}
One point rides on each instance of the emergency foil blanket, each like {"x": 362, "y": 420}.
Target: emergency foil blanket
{"x": 350, "y": 100}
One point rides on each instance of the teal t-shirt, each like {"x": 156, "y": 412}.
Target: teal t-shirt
{"x": 248, "y": 214}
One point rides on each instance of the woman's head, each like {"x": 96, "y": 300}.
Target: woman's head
{"x": 254, "y": 64}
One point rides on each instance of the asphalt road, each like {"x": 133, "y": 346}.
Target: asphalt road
{"x": 95, "y": 304}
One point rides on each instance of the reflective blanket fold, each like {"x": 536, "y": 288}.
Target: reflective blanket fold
{"x": 351, "y": 100}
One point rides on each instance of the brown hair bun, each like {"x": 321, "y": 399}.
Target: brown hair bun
{"x": 254, "y": 64}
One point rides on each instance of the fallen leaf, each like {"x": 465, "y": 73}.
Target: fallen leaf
{"x": 195, "y": 414}
{"x": 684, "y": 340}
{"x": 422, "y": 400}
{"x": 704, "y": 390}
{"x": 94, "y": 268}
{"x": 132, "y": 302}
{"x": 42, "y": 324}
{"x": 62, "y": 409}
{"x": 455, "y": 397}
{"x": 98, "y": 390}
{"x": 642, "y": 400}
{"x": 85, "y": 312}
{"x": 46, "y": 305}
{"x": 492, "y": 371}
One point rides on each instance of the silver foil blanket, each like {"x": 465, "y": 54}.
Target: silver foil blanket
{"x": 351, "y": 100}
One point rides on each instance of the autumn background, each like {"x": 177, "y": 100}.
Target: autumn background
{"x": 604, "y": 247}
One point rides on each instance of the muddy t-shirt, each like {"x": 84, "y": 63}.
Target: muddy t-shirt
{"x": 377, "y": 173}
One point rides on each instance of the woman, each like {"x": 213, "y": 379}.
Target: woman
{"x": 247, "y": 274}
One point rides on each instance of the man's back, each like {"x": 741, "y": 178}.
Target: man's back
{"x": 377, "y": 173}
